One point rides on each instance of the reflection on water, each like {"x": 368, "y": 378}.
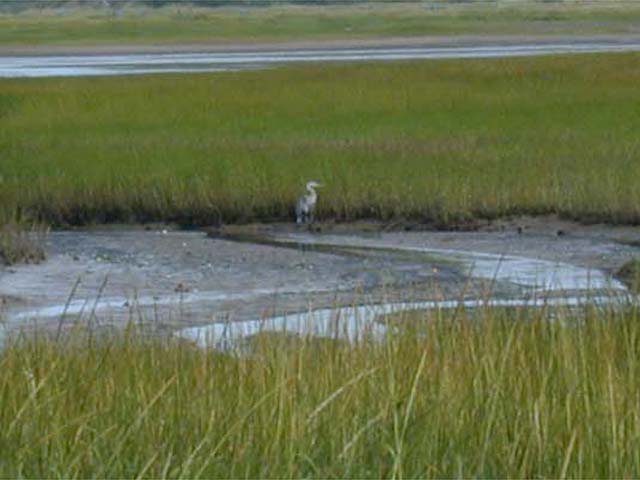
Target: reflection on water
{"x": 129, "y": 64}
{"x": 358, "y": 322}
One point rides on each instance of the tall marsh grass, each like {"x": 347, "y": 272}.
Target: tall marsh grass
{"x": 503, "y": 394}
{"x": 441, "y": 141}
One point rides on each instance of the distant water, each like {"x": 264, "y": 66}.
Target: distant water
{"x": 137, "y": 64}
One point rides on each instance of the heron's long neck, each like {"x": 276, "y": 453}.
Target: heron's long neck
{"x": 312, "y": 192}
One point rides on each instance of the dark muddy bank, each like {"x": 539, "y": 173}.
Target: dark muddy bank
{"x": 595, "y": 246}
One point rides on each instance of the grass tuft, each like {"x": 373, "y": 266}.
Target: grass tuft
{"x": 629, "y": 273}
{"x": 20, "y": 244}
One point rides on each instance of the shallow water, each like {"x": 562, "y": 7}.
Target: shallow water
{"x": 532, "y": 273}
{"x": 539, "y": 279}
{"x": 532, "y": 276}
{"x": 135, "y": 64}
{"x": 110, "y": 305}
{"x": 182, "y": 280}
{"x": 355, "y": 323}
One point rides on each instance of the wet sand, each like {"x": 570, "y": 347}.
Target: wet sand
{"x": 172, "y": 279}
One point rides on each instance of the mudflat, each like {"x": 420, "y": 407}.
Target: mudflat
{"x": 173, "y": 279}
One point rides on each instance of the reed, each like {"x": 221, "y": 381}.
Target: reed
{"x": 501, "y": 393}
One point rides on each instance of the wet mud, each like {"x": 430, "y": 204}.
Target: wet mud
{"x": 252, "y": 275}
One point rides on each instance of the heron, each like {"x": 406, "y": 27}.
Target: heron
{"x": 307, "y": 203}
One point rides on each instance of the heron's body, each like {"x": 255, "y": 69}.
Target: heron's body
{"x": 306, "y": 204}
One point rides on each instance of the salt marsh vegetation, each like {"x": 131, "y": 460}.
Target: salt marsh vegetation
{"x": 442, "y": 142}
{"x": 505, "y": 393}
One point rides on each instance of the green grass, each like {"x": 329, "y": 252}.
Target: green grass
{"x": 186, "y": 24}
{"x": 506, "y": 394}
{"x": 443, "y": 141}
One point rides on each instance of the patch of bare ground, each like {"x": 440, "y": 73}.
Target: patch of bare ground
{"x": 241, "y": 272}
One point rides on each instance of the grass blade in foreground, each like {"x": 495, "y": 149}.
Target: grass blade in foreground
{"x": 502, "y": 394}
